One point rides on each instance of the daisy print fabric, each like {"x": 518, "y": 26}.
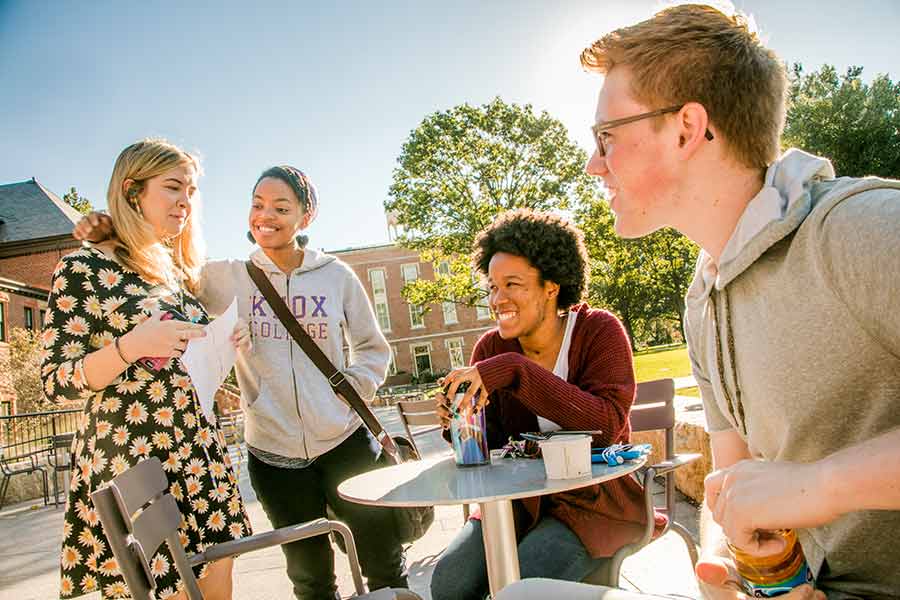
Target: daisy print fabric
{"x": 139, "y": 415}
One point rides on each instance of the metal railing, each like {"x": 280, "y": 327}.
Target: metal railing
{"x": 31, "y": 433}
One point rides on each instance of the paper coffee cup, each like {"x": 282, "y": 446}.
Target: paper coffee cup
{"x": 567, "y": 456}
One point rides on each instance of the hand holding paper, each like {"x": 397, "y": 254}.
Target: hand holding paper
{"x": 209, "y": 359}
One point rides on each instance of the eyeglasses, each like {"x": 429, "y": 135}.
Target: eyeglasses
{"x": 600, "y": 128}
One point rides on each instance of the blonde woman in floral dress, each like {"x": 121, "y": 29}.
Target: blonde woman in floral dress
{"x": 105, "y": 311}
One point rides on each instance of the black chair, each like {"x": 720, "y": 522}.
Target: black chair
{"x": 21, "y": 465}
{"x": 653, "y": 409}
{"x": 59, "y": 459}
{"x": 135, "y": 539}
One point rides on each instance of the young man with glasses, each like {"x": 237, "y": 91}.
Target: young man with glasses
{"x": 792, "y": 318}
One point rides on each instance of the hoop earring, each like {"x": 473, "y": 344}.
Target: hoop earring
{"x": 133, "y": 203}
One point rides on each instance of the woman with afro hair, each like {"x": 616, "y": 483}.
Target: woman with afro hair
{"x": 551, "y": 363}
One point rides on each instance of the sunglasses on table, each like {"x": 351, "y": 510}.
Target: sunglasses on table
{"x": 600, "y": 128}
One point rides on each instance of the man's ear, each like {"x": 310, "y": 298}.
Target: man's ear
{"x": 693, "y": 124}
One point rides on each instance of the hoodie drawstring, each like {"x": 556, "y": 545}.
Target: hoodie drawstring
{"x": 720, "y": 363}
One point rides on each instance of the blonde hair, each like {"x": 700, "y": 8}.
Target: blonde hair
{"x": 696, "y": 53}
{"x": 136, "y": 245}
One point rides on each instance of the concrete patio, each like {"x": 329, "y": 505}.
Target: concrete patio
{"x": 30, "y": 541}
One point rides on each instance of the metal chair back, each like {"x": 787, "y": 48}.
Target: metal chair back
{"x": 138, "y": 515}
{"x": 419, "y": 413}
{"x": 653, "y": 409}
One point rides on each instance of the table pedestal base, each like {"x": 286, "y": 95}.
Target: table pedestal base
{"x": 499, "y": 532}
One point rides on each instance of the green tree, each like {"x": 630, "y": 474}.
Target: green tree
{"x": 644, "y": 280}
{"x": 79, "y": 203}
{"x": 462, "y": 167}
{"x": 854, "y": 124}
{"x": 24, "y": 367}
{"x": 671, "y": 258}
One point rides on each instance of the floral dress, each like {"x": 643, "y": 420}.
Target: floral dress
{"x": 141, "y": 414}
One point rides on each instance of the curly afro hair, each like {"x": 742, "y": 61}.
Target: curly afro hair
{"x": 551, "y": 244}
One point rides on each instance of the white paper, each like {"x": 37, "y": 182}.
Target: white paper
{"x": 209, "y": 359}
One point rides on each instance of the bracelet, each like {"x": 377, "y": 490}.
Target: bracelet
{"x": 119, "y": 351}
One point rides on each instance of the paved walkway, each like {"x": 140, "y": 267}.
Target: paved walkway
{"x": 30, "y": 541}
{"x": 685, "y": 382}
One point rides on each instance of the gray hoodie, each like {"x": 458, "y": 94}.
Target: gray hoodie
{"x": 795, "y": 343}
{"x": 289, "y": 406}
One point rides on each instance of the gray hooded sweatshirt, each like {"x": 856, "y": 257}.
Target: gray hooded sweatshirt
{"x": 794, "y": 340}
{"x": 289, "y": 406}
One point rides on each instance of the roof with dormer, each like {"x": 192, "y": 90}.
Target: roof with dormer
{"x": 29, "y": 211}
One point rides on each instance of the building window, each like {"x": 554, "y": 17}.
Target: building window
{"x": 449, "y": 308}
{"x": 43, "y": 317}
{"x": 449, "y": 313}
{"x": 455, "y": 350}
{"x": 421, "y": 359}
{"x": 482, "y": 310}
{"x": 416, "y": 313}
{"x": 392, "y": 366}
{"x": 2, "y": 321}
{"x": 29, "y": 317}
{"x": 379, "y": 298}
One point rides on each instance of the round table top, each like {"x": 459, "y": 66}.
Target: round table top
{"x": 439, "y": 481}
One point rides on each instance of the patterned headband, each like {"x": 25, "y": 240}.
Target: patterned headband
{"x": 303, "y": 187}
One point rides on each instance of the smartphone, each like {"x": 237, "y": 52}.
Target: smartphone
{"x": 155, "y": 363}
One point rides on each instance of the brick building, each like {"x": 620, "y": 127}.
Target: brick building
{"x": 35, "y": 232}
{"x": 437, "y": 340}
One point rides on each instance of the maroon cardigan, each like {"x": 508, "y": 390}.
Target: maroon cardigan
{"x": 598, "y": 394}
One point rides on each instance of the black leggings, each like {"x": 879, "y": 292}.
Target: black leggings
{"x": 291, "y": 496}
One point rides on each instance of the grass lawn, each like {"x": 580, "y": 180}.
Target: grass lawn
{"x": 656, "y": 364}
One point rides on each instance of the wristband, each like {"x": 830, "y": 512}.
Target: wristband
{"x": 119, "y": 351}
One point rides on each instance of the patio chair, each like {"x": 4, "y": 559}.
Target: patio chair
{"x": 134, "y": 540}
{"x": 421, "y": 412}
{"x": 59, "y": 459}
{"x": 653, "y": 409}
{"x": 21, "y": 465}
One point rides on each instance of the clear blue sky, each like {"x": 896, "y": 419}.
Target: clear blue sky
{"x": 333, "y": 88}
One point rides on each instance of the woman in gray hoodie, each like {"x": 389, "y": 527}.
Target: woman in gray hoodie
{"x": 304, "y": 440}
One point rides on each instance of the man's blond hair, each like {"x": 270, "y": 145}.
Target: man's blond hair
{"x": 696, "y": 53}
{"x": 137, "y": 246}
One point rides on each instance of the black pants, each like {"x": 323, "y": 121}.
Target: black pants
{"x": 291, "y": 496}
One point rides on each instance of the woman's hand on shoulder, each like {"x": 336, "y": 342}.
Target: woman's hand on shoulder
{"x": 93, "y": 227}
{"x": 156, "y": 337}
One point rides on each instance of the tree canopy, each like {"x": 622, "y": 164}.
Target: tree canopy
{"x": 854, "y": 124}
{"x": 643, "y": 281}
{"x": 79, "y": 203}
{"x": 461, "y": 167}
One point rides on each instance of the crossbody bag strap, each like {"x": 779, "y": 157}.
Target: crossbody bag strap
{"x": 337, "y": 380}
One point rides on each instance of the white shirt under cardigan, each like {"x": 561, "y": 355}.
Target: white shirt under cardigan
{"x": 561, "y": 368}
